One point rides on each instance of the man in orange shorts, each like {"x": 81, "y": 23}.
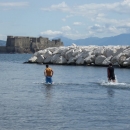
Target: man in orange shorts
{"x": 48, "y": 73}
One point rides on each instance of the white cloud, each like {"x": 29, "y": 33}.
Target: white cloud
{"x": 51, "y": 33}
{"x": 96, "y": 29}
{"x": 64, "y": 19}
{"x": 13, "y": 4}
{"x": 69, "y": 16}
{"x": 92, "y": 8}
{"x": 62, "y": 7}
{"x": 75, "y": 35}
{"x": 114, "y": 22}
{"x": 66, "y": 32}
{"x": 66, "y": 28}
{"x": 101, "y": 19}
{"x": 108, "y": 30}
{"x": 77, "y": 23}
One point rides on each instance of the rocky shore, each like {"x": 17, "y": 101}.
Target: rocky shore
{"x": 84, "y": 55}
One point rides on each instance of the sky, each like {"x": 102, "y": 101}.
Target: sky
{"x": 74, "y": 19}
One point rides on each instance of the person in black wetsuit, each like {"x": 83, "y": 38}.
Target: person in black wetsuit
{"x": 110, "y": 73}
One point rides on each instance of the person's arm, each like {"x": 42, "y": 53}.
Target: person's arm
{"x": 52, "y": 72}
{"x": 45, "y": 73}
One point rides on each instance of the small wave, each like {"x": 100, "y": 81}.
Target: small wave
{"x": 75, "y": 84}
{"x": 115, "y": 85}
{"x": 60, "y": 83}
{"x": 38, "y": 82}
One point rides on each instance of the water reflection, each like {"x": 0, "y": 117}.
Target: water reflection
{"x": 110, "y": 92}
{"x": 48, "y": 91}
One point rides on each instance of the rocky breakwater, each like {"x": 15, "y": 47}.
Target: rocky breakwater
{"x": 84, "y": 55}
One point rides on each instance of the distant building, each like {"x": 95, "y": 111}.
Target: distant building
{"x": 20, "y": 44}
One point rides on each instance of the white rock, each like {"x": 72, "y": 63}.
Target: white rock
{"x": 80, "y": 61}
{"x": 47, "y": 60}
{"x": 90, "y": 59}
{"x": 40, "y": 59}
{"x": 115, "y": 59}
{"x": 110, "y": 52}
{"x": 122, "y": 59}
{"x": 47, "y": 54}
{"x": 76, "y": 51}
{"x": 33, "y": 59}
{"x": 99, "y": 51}
{"x": 74, "y": 45}
{"x": 71, "y": 60}
{"x": 61, "y": 60}
{"x": 64, "y": 51}
{"x": 119, "y": 50}
{"x": 99, "y": 59}
{"x": 56, "y": 51}
{"x": 69, "y": 54}
{"x": 126, "y": 64}
{"x": 107, "y": 60}
{"x": 127, "y": 52}
{"x": 59, "y": 50}
{"x": 128, "y": 60}
{"x": 54, "y": 58}
{"x": 78, "y": 55}
{"x": 85, "y": 54}
{"x": 41, "y": 52}
{"x": 52, "y": 49}
{"x": 87, "y": 50}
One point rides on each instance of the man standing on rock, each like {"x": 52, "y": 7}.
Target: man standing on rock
{"x": 110, "y": 73}
{"x": 48, "y": 74}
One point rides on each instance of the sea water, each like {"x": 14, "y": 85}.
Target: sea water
{"x": 80, "y": 98}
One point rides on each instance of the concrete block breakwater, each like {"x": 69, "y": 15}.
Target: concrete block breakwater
{"x": 84, "y": 55}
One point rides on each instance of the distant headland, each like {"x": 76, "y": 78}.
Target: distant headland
{"x": 21, "y": 44}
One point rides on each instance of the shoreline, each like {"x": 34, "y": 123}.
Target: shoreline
{"x": 115, "y": 66}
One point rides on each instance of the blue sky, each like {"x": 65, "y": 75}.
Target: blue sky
{"x": 69, "y": 18}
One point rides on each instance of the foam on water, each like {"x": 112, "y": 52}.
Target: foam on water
{"x": 48, "y": 84}
{"x": 115, "y": 84}
{"x": 106, "y": 83}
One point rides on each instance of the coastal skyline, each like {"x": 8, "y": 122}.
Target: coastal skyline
{"x": 71, "y": 19}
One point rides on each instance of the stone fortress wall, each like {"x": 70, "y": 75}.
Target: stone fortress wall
{"x": 20, "y": 44}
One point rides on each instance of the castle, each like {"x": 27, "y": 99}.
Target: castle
{"x": 20, "y": 44}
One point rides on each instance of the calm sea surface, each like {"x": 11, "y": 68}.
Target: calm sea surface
{"x": 79, "y": 99}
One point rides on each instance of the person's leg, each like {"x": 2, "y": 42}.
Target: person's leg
{"x": 109, "y": 79}
{"x": 47, "y": 79}
{"x": 113, "y": 79}
{"x": 50, "y": 80}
